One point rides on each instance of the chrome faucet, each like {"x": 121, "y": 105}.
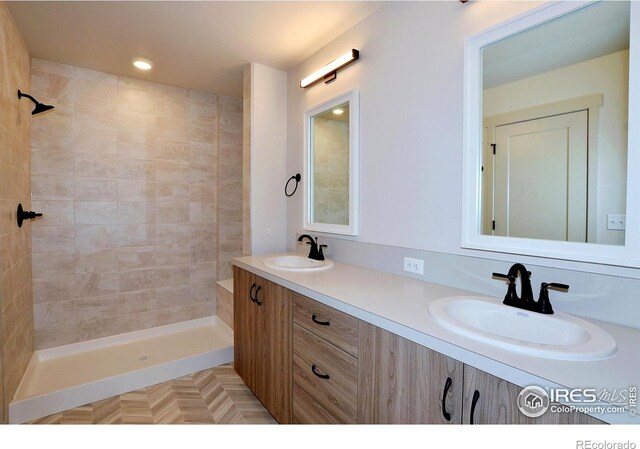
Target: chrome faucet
{"x": 526, "y": 301}
{"x": 315, "y": 252}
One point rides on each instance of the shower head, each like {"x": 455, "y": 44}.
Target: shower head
{"x": 40, "y": 107}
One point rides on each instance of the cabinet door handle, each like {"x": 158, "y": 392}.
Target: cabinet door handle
{"x": 251, "y": 292}
{"x": 321, "y": 376}
{"x": 321, "y": 323}
{"x": 474, "y": 401}
{"x": 445, "y": 413}
{"x": 255, "y": 299}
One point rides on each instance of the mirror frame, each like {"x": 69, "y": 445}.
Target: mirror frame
{"x": 627, "y": 255}
{"x": 353, "y": 98}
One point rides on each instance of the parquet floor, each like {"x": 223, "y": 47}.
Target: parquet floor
{"x": 212, "y": 396}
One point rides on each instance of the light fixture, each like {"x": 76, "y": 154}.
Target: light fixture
{"x": 329, "y": 71}
{"x": 142, "y": 64}
{"x": 40, "y": 107}
{"x": 338, "y": 111}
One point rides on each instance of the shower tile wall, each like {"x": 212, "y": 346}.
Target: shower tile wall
{"x": 16, "y": 306}
{"x": 140, "y": 211}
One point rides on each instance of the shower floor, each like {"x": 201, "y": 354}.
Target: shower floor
{"x": 69, "y": 376}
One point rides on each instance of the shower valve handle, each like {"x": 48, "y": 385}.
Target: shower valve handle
{"x": 26, "y": 215}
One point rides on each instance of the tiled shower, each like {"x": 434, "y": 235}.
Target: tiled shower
{"x": 140, "y": 185}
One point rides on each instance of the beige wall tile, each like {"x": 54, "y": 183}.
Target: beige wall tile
{"x": 136, "y": 235}
{"x": 52, "y": 187}
{"x": 175, "y": 150}
{"x": 137, "y": 302}
{"x": 96, "y": 237}
{"x": 97, "y": 308}
{"x": 136, "y": 257}
{"x": 55, "y": 213}
{"x": 96, "y": 189}
{"x": 53, "y": 289}
{"x": 136, "y": 190}
{"x": 172, "y": 276}
{"x": 135, "y": 168}
{"x": 174, "y": 171}
{"x": 96, "y": 213}
{"x": 224, "y": 305}
{"x": 53, "y": 161}
{"x": 172, "y": 191}
{"x": 130, "y": 196}
{"x": 96, "y": 284}
{"x": 53, "y": 238}
{"x": 135, "y": 280}
{"x": 58, "y": 263}
{"x": 172, "y": 213}
{"x": 96, "y": 261}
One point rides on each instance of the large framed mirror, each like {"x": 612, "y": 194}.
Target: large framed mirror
{"x": 552, "y": 163}
{"x": 331, "y": 166}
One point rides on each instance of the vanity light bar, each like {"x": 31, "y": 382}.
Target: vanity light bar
{"x": 328, "y": 72}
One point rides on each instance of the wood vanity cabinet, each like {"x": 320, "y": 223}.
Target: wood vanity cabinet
{"x": 325, "y": 364}
{"x": 262, "y": 340}
{"x": 495, "y": 403}
{"x": 309, "y": 363}
{"x": 402, "y": 382}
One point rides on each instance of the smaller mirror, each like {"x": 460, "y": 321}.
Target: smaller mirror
{"x": 331, "y": 161}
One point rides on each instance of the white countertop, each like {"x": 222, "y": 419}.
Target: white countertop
{"x": 399, "y": 305}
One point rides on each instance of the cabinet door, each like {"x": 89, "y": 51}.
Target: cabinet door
{"x": 274, "y": 348}
{"x": 495, "y": 403}
{"x": 401, "y": 382}
{"x": 245, "y": 325}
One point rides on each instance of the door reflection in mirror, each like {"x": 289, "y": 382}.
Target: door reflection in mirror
{"x": 555, "y": 101}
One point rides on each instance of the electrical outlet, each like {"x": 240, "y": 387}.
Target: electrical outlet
{"x": 616, "y": 222}
{"x": 412, "y": 265}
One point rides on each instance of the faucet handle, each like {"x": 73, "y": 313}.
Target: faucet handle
{"x": 320, "y": 254}
{"x": 557, "y": 286}
{"x": 504, "y": 276}
{"x": 511, "y": 298}
{"x": 544, "y": 304}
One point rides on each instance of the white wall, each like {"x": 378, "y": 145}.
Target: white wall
{"x": 268, "y": 153}
{"x": 410, "y": 80}
{"x": 411, "y": 110}
{"x": 607, "y": 75}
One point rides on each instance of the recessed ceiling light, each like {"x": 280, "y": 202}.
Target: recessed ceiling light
{"x": 338, "y": 111}
{"x": 142, "y": 64}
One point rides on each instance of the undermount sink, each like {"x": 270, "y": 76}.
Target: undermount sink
{"x": 297, "y": 263}
{"x": 558, "y": 336}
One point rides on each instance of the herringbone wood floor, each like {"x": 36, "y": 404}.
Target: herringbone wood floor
{"x": 213, "y": 396}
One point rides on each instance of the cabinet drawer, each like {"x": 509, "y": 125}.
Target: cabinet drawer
{"x": 334, "y": 326}
{"x": 328, "y": 374}
{"x": 306, "y": 410}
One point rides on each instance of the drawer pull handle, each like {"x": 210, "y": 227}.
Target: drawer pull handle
{"x": 321, "y": 376}
{"x": 321, "y": 323}
{"x": 474, "y": 401}
{"x": 255, "y": 298}
{"x": 251, "y": 292}
{"x": 445, "y": 413}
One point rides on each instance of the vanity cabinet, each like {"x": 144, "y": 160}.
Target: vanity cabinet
{"x": 325, "y": 364}
{"x": 491, "y": 400}
{"x": 402, "y": 382}
{"x": 262, "y": 340}
{"x": 309, "y": 363}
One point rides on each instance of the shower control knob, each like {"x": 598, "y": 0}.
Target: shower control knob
{"x": 26, "y": 215}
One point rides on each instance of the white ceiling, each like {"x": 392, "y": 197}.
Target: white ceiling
{"x": 589, "y": 33}
{"x": 200, "y": 45}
